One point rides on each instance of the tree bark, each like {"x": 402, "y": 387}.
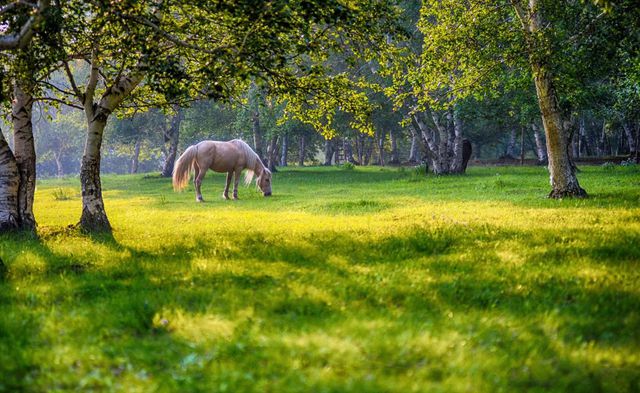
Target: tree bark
{"x": 57, "y": 156}
{"x": 172, "y": 136}
{"x": 94, "y": 217}
{"x": 9, "y": 182}
{"x": 455, "y": 156}
{"x": 541, "y": 148}
{"x": 564, "y": 182}
{"x": 272, "y": 153}
{"x": 413, "y": 151}
{"x": 24, "y": 152}
{"x": 328, "y": 152}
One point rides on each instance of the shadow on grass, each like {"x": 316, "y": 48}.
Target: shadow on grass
{"x": 121, "y": 307}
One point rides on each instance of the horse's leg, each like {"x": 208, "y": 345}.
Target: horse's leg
{"x": 236, "y": 180}
{"x": 197, "y": 182}
{"x": 225, "y": 194}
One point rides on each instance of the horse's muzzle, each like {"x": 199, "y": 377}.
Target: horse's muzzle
{"x": 267, "y": 194}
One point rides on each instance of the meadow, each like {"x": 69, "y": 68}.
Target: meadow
{"x": 346, "y": 280}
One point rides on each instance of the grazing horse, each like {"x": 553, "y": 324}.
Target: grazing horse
{"x": 230, "y": 157}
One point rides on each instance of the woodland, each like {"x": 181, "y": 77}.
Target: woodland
{"x": 553, "y": 81}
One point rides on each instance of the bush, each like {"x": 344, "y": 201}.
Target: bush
{"x": 347, "y": 166}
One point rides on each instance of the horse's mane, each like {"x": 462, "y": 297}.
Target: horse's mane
{"x": 250, "y": 156}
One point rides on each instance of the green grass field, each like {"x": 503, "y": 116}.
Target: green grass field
{"x": 365, "y": 280}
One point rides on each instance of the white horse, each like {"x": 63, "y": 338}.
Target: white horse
{"x": 230, "y": 157}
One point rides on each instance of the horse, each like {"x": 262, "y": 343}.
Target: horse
{"x": 231, "y": 157}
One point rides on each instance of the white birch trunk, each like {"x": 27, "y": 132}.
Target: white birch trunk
{"x": 94, "y": 217}
{"x": 413, "y": 151}
{"x": 24, "y": 152}
{"x": 456, "y": 165}
{"x": 541, "y": 148}
{"x": 9, "y": 181}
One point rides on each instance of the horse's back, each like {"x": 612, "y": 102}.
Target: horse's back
{"x": 220, "y": 156}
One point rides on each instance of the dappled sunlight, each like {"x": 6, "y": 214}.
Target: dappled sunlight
{"x": 394, "y": 283}
{"x": 196, "y": 328}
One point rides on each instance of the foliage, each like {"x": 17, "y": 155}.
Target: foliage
{"x": 352, "y": 281}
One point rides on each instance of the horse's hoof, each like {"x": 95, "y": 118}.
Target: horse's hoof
{"x": 199, "y": 200}
{"x": 225, "y": 197}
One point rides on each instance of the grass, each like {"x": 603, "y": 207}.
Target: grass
{"x": 359, "y": 280}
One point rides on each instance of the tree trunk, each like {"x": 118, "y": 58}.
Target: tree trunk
{"x": 272, "y": 153}
{"x": 564, "y": 182}
{"x": 302, "y": 147}
{"x": 57, "y": 156}
{"x": 562, "y": 172}
{"x": 582, "y": 131}
{"x": 602, "y": 142}
{"x": 336, "y": 150}
{"x": 456, "y": 155}
{"x": 135, "y": 157}
{"x": 348, "y": 151}
{"x": 368, "y": 149}
{"x": 413, "y": 151}
{"x": 328, "y": 152}
{"x": 541, "y": 149}
{"x": 24, "y": 152}
{"x": 257, "y": 135}
{"x": 285, "y": 150}
{"x": 9, "y": 182}
{"x": 395, "y": 156}
{"x": 380, "y": 143}
{"x": 510, "y": 152}
{"x": 94, "y": 217}
{"x": 521, "y": 145}
{"x": 631, "y": 138}
{"x": 429, "y": 140}
{"x": 172, "y": 136}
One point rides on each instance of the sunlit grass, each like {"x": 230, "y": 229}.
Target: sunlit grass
{"x": 345, "y": 280}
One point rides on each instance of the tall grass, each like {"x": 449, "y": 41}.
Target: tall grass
{"x": 361, "y": 280}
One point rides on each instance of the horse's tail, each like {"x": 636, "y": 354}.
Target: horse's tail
{"x": 182, "y": 168}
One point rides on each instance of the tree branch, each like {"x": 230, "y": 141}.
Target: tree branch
{"x": 72, "y": 81}
{"x": 90, "y": 91}
{"x": 22, "y": 37}
{"x": 171, "y": 37}
{"x": 64, "y": 102}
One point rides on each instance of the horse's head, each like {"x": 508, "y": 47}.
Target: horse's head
{"x": 264, "y": 182}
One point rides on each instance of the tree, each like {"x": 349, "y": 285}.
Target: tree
{"x": 469, "y": 45}
{"x": 25, "y": 65}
